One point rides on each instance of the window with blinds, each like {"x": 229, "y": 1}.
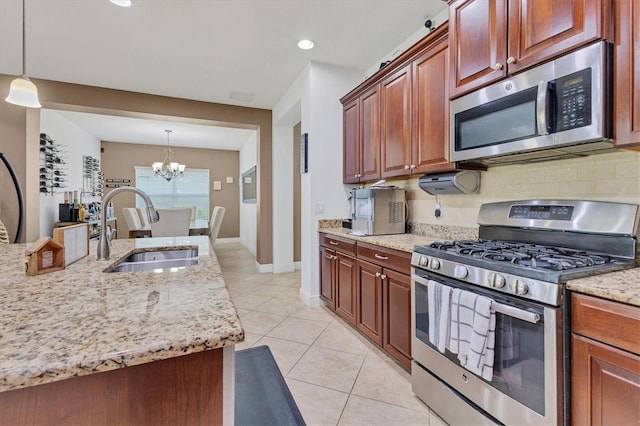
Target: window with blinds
{"x": 192, "y": 189}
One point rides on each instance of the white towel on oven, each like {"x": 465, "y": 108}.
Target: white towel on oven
{"x": 439, "y": 300}
{"x": 472, "y": 332}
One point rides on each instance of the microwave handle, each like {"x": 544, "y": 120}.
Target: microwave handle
{"x": 541, "y": 108}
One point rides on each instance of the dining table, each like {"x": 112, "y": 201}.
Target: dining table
{"x": 196, "y": 227}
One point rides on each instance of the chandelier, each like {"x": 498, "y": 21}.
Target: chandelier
{"x": 168, "y": 169}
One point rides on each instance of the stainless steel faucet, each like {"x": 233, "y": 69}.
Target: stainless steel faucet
{"x": 104, "y": 243}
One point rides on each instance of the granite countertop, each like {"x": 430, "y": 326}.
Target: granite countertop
{"x": 80, "y": 321}
{"x": 402, "y": 242}
{"x": 622, "y": 286}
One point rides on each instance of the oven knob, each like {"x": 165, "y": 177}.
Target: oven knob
{"x": 423, "y": 261}
{"x": 519, "y": 287}
{"x": 460, "y": 272}
{"x": 434, "y": 264}
{"x": 496, "y": 280}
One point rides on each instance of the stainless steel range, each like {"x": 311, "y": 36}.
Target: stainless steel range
{"x": 489, "y": 323}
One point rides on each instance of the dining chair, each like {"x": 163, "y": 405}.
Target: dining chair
{"x": 172, "y": 223}
{"x": 216, "y": 221}
{"x": 132, "y": 218}
{"x": 144, "y": 216}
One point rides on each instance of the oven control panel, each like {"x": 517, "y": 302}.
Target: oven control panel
{"x": 528, "y": 288}
{"x": 544, "y": 212}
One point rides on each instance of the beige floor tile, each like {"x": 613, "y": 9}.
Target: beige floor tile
{"x": 380, "y": 381}
{"x": 292, "y": 293}
{"x": 248, "y": 301}
{"x": 341, "y": 337}
{"x": 266, "y": 290}
{"x": 286, "y": 353}
{"x": 325, "y": 367}
{"x": 435, "y": 420}
{"x": 242, "y": 312}
{"x": 298, "y": 330}
{"x": 316, "y": 314}
{"x": 280, "y": 306}
{"x": 260, "y": 322}
{"x": 249, "y": 340}
{"x": 318, "y": 405}
{"x": 366, "y": 412}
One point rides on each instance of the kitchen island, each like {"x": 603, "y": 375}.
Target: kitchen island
{"x": 131, "y": 347}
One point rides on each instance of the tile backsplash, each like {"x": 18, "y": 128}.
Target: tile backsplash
{"x": 604, "y": 177}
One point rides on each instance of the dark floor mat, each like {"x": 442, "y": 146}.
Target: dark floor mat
{"x": 262, "y": 395}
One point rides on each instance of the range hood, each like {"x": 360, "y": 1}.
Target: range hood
{"x": 462, "y": 182}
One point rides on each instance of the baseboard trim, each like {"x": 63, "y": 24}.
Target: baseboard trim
{"x": 297, "y": 266}
{"x": 267, "y": 267}
{"x": 279, "y": 269}
{"x": 227, "y": 240}
{"x": 311, "y": 301}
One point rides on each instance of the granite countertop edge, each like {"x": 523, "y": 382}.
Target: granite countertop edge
{"x": 81, "y": 321}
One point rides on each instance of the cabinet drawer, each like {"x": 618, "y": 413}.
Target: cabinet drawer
{"x": 606, "y": 321}
{"x": 387, "y": 258}
{"x": 344, "y": 245}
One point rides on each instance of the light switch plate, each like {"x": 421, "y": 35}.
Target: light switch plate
{"x": 217, "y": 185}
{"x": 229, "y": 179}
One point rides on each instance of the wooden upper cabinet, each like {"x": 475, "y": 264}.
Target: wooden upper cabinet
{"x": 430, "y": 136}
{"x": 542, "y": 29}
{"x": 395, "y": 123}
{"x": 626, "y": 67}
{"x": 361, "y": 137}
{"x": 490, "y": 39}
{"x": 370, "y": 135}
{"x": 351, "y": 141}
{"x": 477, "y": 43}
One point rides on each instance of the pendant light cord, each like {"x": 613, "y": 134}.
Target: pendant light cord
{"x": 24, "y": 39}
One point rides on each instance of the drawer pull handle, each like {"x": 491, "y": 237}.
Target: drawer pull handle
{"x": 378, "y": 274}
{"x": 378, "y": 256}
{"x": 328, "y": 256}
{"x": 333, "y": 243}
{"x": 383, "y": 277}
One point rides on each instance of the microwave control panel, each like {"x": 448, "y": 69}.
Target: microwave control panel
{"x": 573, "y": 100}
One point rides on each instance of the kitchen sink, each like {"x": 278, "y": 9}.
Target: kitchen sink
{"x": 157, "y": 259}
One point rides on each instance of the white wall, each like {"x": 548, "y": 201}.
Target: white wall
{"x": 76, "y": 142}
{"x": 437, "y": 20}
{"x": 317, "y": 91}
{"x": 248, "y": 211}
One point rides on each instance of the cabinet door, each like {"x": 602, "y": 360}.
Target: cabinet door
{"x": 477, "y": 43}
{"x": 327, "y": 277}
{"x": 369, "y": 312}
{"x": 430, "y": 96}
{"x": 370, "y": 135}
{"x": 605, "y": 384}
{"x": 542, "y": 29}
{"x": 397, "y": 315}
{"x": 351, "y": 142}
{"x": 345, "y": 271}
{"x": 627, "y": 73}
{"x": 395, "y": 143}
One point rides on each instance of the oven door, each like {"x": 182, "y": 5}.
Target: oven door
{"x": 527, "y": 382}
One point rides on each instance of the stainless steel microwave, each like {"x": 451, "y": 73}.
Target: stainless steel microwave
{"x": 559, "y": 109}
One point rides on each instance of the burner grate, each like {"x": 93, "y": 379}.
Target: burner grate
{"x": 530, "y": 255}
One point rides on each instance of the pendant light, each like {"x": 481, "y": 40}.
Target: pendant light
{"x": 168, "y": 169}
{"x": 22, "y": 91}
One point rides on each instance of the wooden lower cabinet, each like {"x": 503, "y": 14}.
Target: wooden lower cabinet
{"x": 327, "y": 277}
{"x": 605, "y": 384}
{"x": 346, "y": 287}
{"x": 605, "y": 362}
{"x": 396, "y": 312}
{"x": 370, "y": 301}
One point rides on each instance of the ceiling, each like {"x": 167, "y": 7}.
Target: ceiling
{"x": 238, "y": 52}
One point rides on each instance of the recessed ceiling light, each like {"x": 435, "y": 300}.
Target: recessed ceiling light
{"x": 305, "y": 44}
{"x": 123, "y": 3}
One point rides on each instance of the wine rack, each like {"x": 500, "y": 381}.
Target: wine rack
{"x": 92, "y": 176}
{"x": 53, "y": 169}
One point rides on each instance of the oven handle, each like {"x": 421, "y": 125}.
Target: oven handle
{"x": 518, "y": 313}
